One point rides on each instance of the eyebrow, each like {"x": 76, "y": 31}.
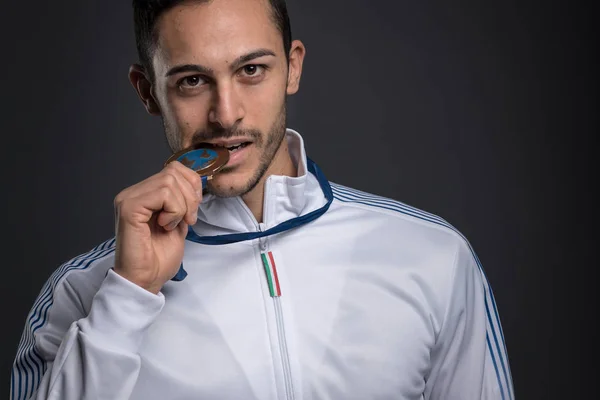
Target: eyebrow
{"x": 189, "y": 68}
{"x": 251, "y": 56}
{"x": 208, "y": 71}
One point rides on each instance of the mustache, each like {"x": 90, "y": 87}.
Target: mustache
{"x": 204, "y": 136}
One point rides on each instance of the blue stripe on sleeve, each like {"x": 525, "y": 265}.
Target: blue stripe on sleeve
{"x": 29, "y": 366}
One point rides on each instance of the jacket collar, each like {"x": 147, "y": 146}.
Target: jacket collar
{"x": 286, "y": 198}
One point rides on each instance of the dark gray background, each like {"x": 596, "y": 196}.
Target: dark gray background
{"x": 483, "y": 114}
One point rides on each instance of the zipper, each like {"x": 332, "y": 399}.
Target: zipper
{"x": 285, "y": 356}
{"x": 267, "y": 260}
{"x": 275, "y": 292}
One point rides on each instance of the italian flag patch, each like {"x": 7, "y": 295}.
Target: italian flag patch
{"x": 271, "y": 271}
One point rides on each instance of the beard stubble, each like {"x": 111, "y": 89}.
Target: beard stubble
{"x": 268, "y": 145}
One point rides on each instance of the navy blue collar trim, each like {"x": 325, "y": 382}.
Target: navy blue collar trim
{"x": 284, "y": 226}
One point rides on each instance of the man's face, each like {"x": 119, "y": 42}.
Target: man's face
{"x": 221, "y": 77}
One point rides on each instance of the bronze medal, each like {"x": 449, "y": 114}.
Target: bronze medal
{"x": 205, "y": 159}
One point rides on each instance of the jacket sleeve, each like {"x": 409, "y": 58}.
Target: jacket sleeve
{"x": 469, "y": 361}
{"x": 81, "y": 341}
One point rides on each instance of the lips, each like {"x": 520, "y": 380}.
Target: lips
{"x": 231, "y": 144}
{"x": 237, "y": 147}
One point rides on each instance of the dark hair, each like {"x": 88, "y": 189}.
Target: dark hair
{"x": 147, "y": 12}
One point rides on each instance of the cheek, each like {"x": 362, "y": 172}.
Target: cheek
{"x": 263, "y": 104}
{"x": 188, "y": 115}
{"x": 190, "y": 110}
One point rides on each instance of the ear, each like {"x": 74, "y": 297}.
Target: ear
{"x": 141, "y": 83}
{"x": 296, "y": 57}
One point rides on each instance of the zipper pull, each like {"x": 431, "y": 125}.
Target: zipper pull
{"x": 271, "y": 272}
{"x": 262, "y": 241}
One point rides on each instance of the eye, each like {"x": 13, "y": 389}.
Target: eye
{"x": 191, "y": 81}
{"x": 250, "y": 69}
{"x": 253, "y": 70}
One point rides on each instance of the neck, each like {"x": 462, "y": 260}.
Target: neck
{"x": 281, "y": 165}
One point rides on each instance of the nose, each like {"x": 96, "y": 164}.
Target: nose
{"x": 226, "y": 109}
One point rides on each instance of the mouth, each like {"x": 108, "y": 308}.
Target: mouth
{"x": 231, "y": 145}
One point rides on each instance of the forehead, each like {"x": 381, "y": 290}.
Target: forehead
{"x": 215, "y": 31}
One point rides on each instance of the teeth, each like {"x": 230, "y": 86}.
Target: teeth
{"x": 230, "y": 146}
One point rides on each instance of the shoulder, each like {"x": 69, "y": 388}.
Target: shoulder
{"x": 404, "y": 230}
{"x": 414, "y": 243}
{"x": 397, "y": 215}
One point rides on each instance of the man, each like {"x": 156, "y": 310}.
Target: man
{"x": 275, "y": 284}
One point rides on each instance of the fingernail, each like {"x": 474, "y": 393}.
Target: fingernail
{"x": 195, "y": 215}
{"x": 172, "y": 225}
{"x": 199, "y": 193}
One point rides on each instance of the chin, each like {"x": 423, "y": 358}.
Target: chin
{"x": 232, "y": 183}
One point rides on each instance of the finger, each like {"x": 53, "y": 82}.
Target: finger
{"x": 157, "y": 180}
{"x": 167, "y": 202}
{"x": 190, "y": 195}
{"x": 183, "y": 229}
{"x": 190, "y": 176}
{"x": 174, "y": 207}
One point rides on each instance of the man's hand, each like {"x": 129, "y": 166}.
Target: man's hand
{"x": 152, "y": 219}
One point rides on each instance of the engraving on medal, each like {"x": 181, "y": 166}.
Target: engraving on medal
{"x": 198, "y": 159}
{"x": 205, "y": 159}
{"x": 187, "y": 162}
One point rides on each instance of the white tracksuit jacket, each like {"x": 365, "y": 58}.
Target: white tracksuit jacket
{"x": 355, "y": 296}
